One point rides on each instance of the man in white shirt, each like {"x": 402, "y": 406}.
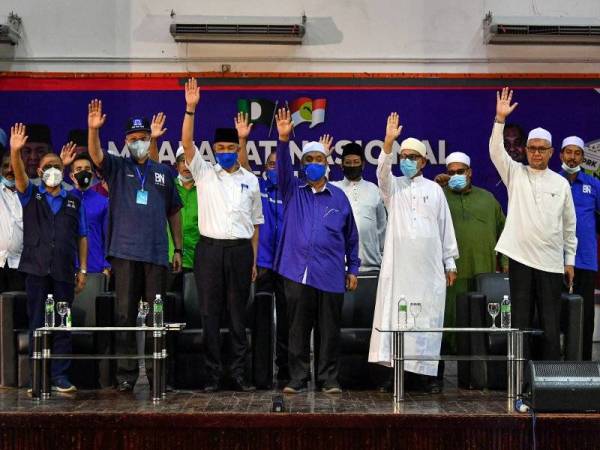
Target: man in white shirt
{"x": 367, "y": 207}
{"x": 11, "y": 230}
{"x": 539, "y": 234}
{"x": 229, "y": 214}
{"x": 418, "y": 260}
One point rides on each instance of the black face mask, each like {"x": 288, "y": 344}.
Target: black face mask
{"x": 352, "y": 172}
{"x": 84, "y": 179}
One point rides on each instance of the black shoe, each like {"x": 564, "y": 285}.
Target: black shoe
{"x": 125, "y": 386}
{"x": 295, "y": 387}
{"x": 434, "y": 386}
{"x": 238, "y": 384}
{"x": 211, "y": 386}
{"x": 331, "y": 388}
{"x": 385, "y": 388}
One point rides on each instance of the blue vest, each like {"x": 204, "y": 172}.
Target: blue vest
{"x": 50, "y": 241}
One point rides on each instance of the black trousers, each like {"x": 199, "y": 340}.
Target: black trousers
{"x": 262, "y": 338}
{"x": 532, "y": 289}
{"x": 584, "y": 285}
{"x": 310, "y": 308}
{"x": 223, "y": 273}
{"x": 134, "y": 280}
{"x": 11, "y": 280}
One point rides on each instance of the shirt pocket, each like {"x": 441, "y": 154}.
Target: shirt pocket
{"x": 333, "y": 220}
{"x": 552, "y": 204}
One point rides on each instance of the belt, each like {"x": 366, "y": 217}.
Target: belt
{"x": 224, "y": 242}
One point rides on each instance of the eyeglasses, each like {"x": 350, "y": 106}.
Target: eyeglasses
{"x": 410, "y": 157}
{"x": 457, "y": 172}
{"x": 540, "y": 150}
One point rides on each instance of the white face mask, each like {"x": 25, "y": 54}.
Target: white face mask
{"x": 138, "y": 149}
{"x": 185, "y": 179}
{"x": 570, "y": 170}
{"x": 52, "y": 177}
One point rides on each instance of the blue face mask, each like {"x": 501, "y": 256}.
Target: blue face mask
{"x": 457, "y": 182}
{"x": 408, "y": 168}
{"x": 314, "y": 172}
{"x": 272, "y": 176}
{"x": 226, "y": 160}
{"x": 7, "y": 183}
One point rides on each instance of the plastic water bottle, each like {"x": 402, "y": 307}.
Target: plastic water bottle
{"x": 505, "y": 312}
{"x": 49, "y": 311}
{"x": 402, "y": 313}
{"x": 158, "y": 311}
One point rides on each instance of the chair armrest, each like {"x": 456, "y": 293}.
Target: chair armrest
{"x": 8, "y": 346}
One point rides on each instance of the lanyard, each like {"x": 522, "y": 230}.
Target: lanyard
{"x": 141, "y": 177}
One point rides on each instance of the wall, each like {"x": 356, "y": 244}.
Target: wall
{"x": 342, "y": 36}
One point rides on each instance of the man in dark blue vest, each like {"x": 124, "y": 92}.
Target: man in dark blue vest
{"x": 54, "y": 235}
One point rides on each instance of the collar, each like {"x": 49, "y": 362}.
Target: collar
{"x": 219, "y": 169}
{"x": 62, "y": 193}
{"x": 325, "y": 188}
{"x": 352, "y": 182}
{"x": 579, "y": 176}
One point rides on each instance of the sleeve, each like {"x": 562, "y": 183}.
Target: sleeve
{"x": 285, "y": 170}
{"x": 111, "y": 165}
{"x": 500, "y": 220}
{"x": 257, "y": 212}
{"x": 385, "y": 177}
{"x": 24, "y": 197}
{"x": 83, "y": 224}
{"x": 447, "y": 236}
{"x": 174, "y": 201}
{"x": 352, "y": 259}
{"x": 597, "y": 196}
{"x": 198, "y": 167}
{"x": 502, "y": 161}
{"x": 381, "y": 223}
{"x": 569, "y": 224}
{"x": 104, "y": 229}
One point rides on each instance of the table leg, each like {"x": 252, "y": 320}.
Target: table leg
{"x": 36, "y": 365}
{"x": 510, "y": 364}
{"x": 163, "y": 362}
{"x": 398, "y": 358}
{"x": 156, "y": 366}
{"x": 520, "y": 362}
{"x": 46, "y": 352}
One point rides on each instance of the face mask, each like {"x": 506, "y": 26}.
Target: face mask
{"x": 272, "y": 176}
{"x": 52, "y": 177}
{"x": 352, "y": 173}
{"x": 84, "y": 179}
{"x": 570, "y": 170}
{"x": 138, "y": 149}
{"x": 7, "y": 183}
{"x": 408, "y": 167}
{"x": 457, "y": 182}
{"x": 185, "y": 179}
{"x": 226, "y": 160}
{"x": 314, "y": 172}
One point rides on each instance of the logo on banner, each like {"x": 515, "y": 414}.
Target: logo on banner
{"x": 306, "y": 109}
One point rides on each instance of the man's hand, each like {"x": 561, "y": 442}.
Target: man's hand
{"x": 67, "y": 153}
{"x": 242, "y": 125}
{"x": 254, "y": 273}
{"x": 392, "y": 131}
{"x": 351, "y": 282}
{"x": 450, "y": 278}
{"x": 442, "y": 179}
{"x": 17, "y": 137}
{"x": 81, "y": 279}
{"x": 192, "y": 94}
{"x": 177, "y": 262}
{"x": 503, "y": 106}
{"x": 157, "y": 127}
{"x": 327, "y": 140}
{"x": 284, "y": 124}
{"x": 569, "y": 275}
{"x": 95, "y": 117}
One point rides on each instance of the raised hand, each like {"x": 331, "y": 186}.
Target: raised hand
{"x": 242, "y": 125}
{"x": 157, "y": 127}
{"x": 284, "y": 123}
{"x": 192, "y": 93}
{"x": 95, "y": 117}
{"x": 17, "y": 137}
{"x": 503, "y": 106}
{"x": 442, "y": 179}
{"x": 393, "y": 127}
{"x": 67, "y": 153}
{"x": 327, "y": 140}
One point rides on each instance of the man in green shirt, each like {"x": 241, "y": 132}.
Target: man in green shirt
{"x": 478, "y": 221}
{"x": 189, "y": 219}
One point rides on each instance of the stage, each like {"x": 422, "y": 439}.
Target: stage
{"x": 455, "y": 419}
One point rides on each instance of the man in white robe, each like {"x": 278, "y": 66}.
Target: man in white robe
{"x": 418, "y": 258}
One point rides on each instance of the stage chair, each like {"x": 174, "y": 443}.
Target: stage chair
{"x": 471, "y": 311}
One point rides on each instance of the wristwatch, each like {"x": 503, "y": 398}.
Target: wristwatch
{"x": 83, "y": 271}
{"x": 178, "y": 250}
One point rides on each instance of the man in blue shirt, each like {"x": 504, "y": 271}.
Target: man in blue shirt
{"x": 586, "y": 196}
{"x": 54, "y": 235}
{"x": 142, "y": 199}
{"x": 318, "y": 256}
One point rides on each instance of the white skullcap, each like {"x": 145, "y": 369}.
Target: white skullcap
{"x": 540, "y": 133}
{"x": 313, "y": 147}
{"x": 180, "y": 151}
{"x": 458, "y": 157}
{"x": 573, "y": 140}
{"x": 414, "y": 144}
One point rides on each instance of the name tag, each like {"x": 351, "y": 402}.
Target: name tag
{"x": 142, "y": 197}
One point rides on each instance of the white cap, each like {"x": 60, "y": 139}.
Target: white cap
{"x": 313, "y": 147}
{"x": 540, "y": 133}
{"x": 458, "y": 157}
{"x": 414, "y": 144}
{"x": 180, "y": 151}
{"x": 573, "y": 140}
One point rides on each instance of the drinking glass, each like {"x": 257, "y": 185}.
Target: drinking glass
{"x": 143, "y": 310}
{"x": 493, "y": 309}
{"x": 62, "y": 308}
{"x": 415, "y": 310}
